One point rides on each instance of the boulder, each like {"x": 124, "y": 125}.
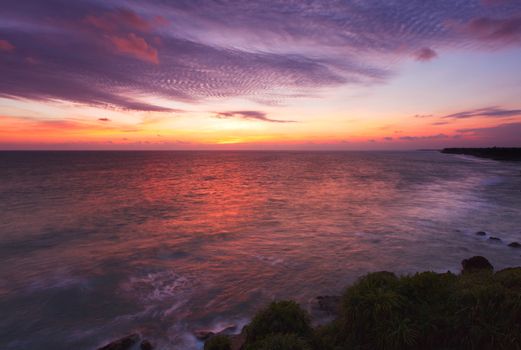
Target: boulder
{"x": 124, "y": 343}
{"x": 239, "y": 340}
{"x": 203, "y": 334}
{"x": 515, "y": 245}
{"x": 146, "y": 345}
{"x": 497, "y": 239}
{"x": 228, "y": 330}
{"x": 476, "y": 263}
{"x": 329, "y": 304}
{"x": 481, "y": 233}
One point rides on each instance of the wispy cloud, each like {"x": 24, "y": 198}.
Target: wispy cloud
{"x": 491, "y": 112}
{"x": 508, "y": 134}
{"x": 425, "y": 54}
{"x": 135, "y": 46}
{"x": 21, "y": 125}
{"x": 120, "y": 19}
{"x": 427, "y": 137}
{"x": 250, "y": 115}
{"x": 496, "y": 29}
{"x": 107, "y": 53}
{"x": 6, "y": 46}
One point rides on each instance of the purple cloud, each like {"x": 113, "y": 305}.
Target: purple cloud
{"x": 6, "y": 46}
{"x": 250, "y": 115}
{"x": 108, "y": 53}
{"x": 491, "y": 112}
{"x": 428, "y": 137}
{"x": 115, "y": 20}
{"x": 425, "y": 54}
{"x": 502, "y": 29}
{"x": 135, "y": 46}
{"x": 507, "y": 135}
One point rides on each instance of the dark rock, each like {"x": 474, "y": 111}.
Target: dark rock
{"x": 515, "y": 245}
{"x": 239, "y": 340}
{"x": 124, "y": 343}
{"x": 481, "y": 233}
{"x": 228, "y": 330}
{"x": 203, "y": 334}
{"x": 329, "y": 304}
{"x": 495, "y": 239}
{"x": 146, "y": 345}
{"x": 476, "y": 263}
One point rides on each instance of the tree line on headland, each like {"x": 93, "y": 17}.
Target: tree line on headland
{"x": 496, "y": 153}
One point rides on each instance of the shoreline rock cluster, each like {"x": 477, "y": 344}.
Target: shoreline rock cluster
{"x": 513, "y": 244}
{"x": 478, "y": 308}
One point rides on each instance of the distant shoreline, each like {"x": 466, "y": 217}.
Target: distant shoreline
{"x": 496, "y": 153}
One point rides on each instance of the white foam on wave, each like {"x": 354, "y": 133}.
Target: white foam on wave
{"x": 475, "y": 159}
{"x": 490, "y": 181}
{"x": 228, "y": 326}
{"x": 273, "y": 261}
{"x": 57, "y": 280}
{"x": 157, "y": 287}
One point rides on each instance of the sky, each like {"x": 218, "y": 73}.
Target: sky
{"x": 279, "y": 74}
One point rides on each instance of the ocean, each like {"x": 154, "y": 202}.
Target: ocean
{"x": 98, "y": 245}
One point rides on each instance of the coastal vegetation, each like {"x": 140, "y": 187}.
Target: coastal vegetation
{"x": 476, "y": 309}
{"x": 496, "y": 153}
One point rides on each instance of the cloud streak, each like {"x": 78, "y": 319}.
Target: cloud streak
{"x": 426, "y": 54}
{"x": 489, "y": 112}
{"x": 6, "y": 46}
{"x": 135, "y": 46}
{"x": 250, "y": 115}
{"x": 427, "y": 137}
{"x": 493, "y": 29}
{"x": 507, "y": 134}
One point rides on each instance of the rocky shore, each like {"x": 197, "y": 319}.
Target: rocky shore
{"x": 476, "y": 309}
{"x": 496, "y": 153}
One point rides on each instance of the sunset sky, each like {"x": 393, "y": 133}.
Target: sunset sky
{"x": 190, "y": 74}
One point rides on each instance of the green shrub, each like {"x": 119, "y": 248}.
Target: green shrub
{"x": 280, "y": 342}
{"x": 285, "y": 317}
{"x": 329, "y": 336}
{"x": 475, "y": 310}
{"x": 510, "y": 278}
{"x": 218, "y": 342}
{"x": 374, "y": 313}
{"x": 488, "y": 314}
{"x": 478, "y": 310}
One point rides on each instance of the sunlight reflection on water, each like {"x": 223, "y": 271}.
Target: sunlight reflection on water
{"x": 96, "y": 245}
